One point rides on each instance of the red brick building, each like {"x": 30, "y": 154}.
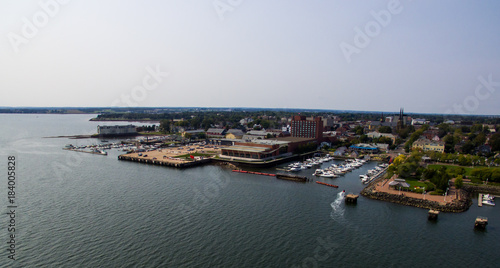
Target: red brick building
{"x": 307, "y": 128}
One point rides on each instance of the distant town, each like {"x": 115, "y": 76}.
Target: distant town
{"x": 428, "y": 153}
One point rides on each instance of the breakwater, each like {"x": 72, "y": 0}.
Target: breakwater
{"x": 460, "y": 205}
{"x": 485, "y": 189}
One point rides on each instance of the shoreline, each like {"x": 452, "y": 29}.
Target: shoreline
{"x": 460, "y": 203}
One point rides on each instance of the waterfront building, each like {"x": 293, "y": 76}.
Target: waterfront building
{"x": 253, "y": 151}
{"x": 428, "y": 145}
{"x": 307, "y": 127}
{"x": 116, "y": 130}
{"x": 365, "y": 148}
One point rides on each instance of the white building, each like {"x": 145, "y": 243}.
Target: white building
{"x": 116, "y": 130}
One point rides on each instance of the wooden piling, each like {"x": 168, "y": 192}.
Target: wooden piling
{"x": 433, "y": 215}
{"x": 351, "y": 198}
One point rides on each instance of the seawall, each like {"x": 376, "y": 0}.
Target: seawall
{"x": 456, "y": 206}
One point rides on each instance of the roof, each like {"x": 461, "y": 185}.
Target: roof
{"x": 195, "y": 131}
{"x": 364, "y": 147}
{"x": 397, "y": 182}
{"x": 237, "y": 132}
{"x": 219, "y": 131}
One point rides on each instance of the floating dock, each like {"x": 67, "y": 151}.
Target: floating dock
{"x": 480, "y": 200}
{"x": 351, "y": 198}
{"x": 481, "y": 222}
{"x": 433, "y": 214}
{"x": 291, "y": 177}
{"x": 255, "y": 173}
{"x": 327, "y": 184}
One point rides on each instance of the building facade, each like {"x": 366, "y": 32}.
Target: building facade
{"x": 428, "y": 145}
{"x": 116, "y": 130}
{"x": 302, "y": 127}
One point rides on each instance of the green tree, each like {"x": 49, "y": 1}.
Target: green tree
{"x": 164, "y": 126}
{"x": 459, "y": 182}
{"x": 385, "y": 129}
{"x": 495, "y": 142}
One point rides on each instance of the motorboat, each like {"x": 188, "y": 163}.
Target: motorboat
{"x": 488, "y": 197}
{"x": 328, "y": 175}
{"x": 488, "y": 202}
{"x": 318, "y": 172}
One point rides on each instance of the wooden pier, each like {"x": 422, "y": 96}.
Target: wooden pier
{"x": 480, "y": 200}
{"x": 433, "y": 214}
{"x": 481, "y": 222}
{"x": 351, "y": 198}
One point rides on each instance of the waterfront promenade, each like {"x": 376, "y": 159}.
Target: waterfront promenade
{"x": 383, "y": 186}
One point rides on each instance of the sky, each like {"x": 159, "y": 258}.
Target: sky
{"x": 425, "y": 56}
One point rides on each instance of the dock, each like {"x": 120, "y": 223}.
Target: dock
{"x": 291, "y": 177}
{"x": 180, "y": 164}
{"x": 253, "y": 172}
{"x": 433, "y": 214}
{"x": 351, "y": 198}
{"x": 480, "y": 200}
{"x": 481, "y": 222}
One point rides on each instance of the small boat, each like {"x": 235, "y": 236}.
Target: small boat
{"x": 488, "y": 197}
{"x": 488, "y": 202}
{"x": 328, "y": 175}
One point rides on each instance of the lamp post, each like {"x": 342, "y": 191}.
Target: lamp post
{"x": 423, "y": 193}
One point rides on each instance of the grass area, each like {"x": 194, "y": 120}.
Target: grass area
{"x": 415, "y": 183}
{"x": 452, "y": 168}
{"x": 193, "y": 154}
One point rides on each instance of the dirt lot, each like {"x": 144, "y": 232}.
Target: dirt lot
{"x": 170, "y": 154}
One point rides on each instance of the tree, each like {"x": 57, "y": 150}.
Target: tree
{"x": 495, "y": 142}
{"x": 459, "y": 182}
{"x": 164, "y": 126}
{"x": 359, "y": 130}
{"x": 385, "y": 129}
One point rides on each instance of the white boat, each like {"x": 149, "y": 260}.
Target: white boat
{"x": 318, "y": 172}
{"x": 488, "y": 197}
{"x": 488, "y": 202}
{"x": 328, "y": 175}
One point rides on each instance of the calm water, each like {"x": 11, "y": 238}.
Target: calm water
{"x": 83, "y": 210}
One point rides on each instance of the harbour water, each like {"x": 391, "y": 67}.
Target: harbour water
{"x": 84, "y": 210}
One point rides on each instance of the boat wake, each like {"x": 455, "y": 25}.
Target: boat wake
{"x": 337, "y": 207}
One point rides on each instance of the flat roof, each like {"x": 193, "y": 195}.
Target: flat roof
{"x": 248, "y": 149}
{"x": 293, "y": 139}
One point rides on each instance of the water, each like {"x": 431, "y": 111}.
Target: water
{"x": 83, "y": 210}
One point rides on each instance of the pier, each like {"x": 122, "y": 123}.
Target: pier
{"x": 351, "y": 198}
{"x": 182, "y": 164}
{"x": 255, "y": 173}
{"x": 480, "y": 200}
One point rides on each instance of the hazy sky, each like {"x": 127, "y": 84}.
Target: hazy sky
{"x": 425, "y": 56}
